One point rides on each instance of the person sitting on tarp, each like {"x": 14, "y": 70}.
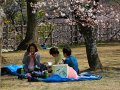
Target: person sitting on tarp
{"x": 57, "y": 55}
{"x": 32, "y": 59}
{"x": 70, "y": 59}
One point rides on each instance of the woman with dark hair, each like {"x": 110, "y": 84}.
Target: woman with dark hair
{"x": 57, "y": 55}
{"x": 30, "y": 46}
{"x": 31, "y": 58}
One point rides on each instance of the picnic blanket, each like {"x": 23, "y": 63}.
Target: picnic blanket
{"x": 56, "y": 78}
{"x": 12, "y": 69}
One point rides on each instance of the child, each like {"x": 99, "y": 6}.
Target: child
{"x": 57, "y": 55}
{"x": 70, "y": 60}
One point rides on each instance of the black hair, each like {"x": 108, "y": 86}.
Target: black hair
{"x": 32, "y": 44}
{"x": 67, "y": 51}
{"x": 53, "y": 51}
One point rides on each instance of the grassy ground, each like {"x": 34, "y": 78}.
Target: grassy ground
{"x": 109, "y": 55}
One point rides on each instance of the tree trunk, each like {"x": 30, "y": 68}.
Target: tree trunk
{"x": 31, "y": 27}
{"x": 0, "y": 44}
{"x": 91, "y": 48}
{"x": 1, "y": 32}
{"x": 76, "y": 35}
{"x": 23, "y": 22}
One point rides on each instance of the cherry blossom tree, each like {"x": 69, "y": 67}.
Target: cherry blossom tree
{"x": 82, "y": 13}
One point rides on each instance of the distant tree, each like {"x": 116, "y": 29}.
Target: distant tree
{"x": 15, "y": 15}
{"x": 2, "y": 16}
{"x": 31, "y": 27}
{"x": 11, "y": 10}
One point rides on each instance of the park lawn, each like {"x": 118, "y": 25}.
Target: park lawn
{"x": 109, "y": 55}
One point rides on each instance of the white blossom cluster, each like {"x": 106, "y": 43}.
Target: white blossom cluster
{"x": 37, "y": 6}
{"x": 108, "y": 12}
{"x": 84, "y": 12}
{"x": 2, "y": 14}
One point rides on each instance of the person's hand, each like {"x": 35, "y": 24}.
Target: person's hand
{"x": 31, "y": 54}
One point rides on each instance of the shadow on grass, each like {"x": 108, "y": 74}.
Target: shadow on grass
{"x": 103, "y": 68}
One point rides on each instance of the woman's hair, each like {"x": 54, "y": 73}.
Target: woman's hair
{"x": 32, "y": 44}
{"x": 53, "y": 51}
{"x": 67, "y": 51}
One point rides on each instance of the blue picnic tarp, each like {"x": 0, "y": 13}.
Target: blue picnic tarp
{"x": 12, "y": 69}
{"x": 56, "y": 78}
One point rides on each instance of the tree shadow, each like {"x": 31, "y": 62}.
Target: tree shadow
{"x": 101, "y": 70}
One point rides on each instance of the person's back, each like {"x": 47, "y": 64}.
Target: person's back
{"x": 70, "y": 60}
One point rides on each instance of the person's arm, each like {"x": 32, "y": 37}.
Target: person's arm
{"x": 59, "y": 59}
{"x": 24, "y": 61}
{"x": 62, "y": 59}
{"x": 55, "y": 60}
{"x": 66, "y": 61}
{"x": 37, "y": 57}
